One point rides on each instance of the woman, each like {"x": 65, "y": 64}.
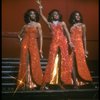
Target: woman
{"x": 55, "y": 73}
{"x": 78, "y": 37}
{"x": 30, "y": 72}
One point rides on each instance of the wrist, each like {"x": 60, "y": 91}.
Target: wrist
{"x": 70, "y": 42}
{"x": 18, "y": 36}
{"x": 40, "y": 50}
{"x": 40, "y": 6}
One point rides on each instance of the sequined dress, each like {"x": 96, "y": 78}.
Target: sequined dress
{"x": 62, "y": 72}
{"x": 82, "y": 68}
{"x": 30, "y": 71}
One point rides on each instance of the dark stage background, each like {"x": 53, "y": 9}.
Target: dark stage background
{"x": 12, "y": 22}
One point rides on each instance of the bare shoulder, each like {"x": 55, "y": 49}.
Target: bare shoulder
{"x": 63, "y": 23}
{"x": 83, "y": 25}
{"x": 24, "y": 26}
{"x": 38, "y": 24}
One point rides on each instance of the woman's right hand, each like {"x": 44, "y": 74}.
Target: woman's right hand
{"x": 38, "y": 2}
{"x": 41, "y": 54}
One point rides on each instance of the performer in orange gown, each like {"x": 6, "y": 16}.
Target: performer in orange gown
{"x": 30, "y": 72}
{"x": 57, "y": 73}
{"x": 78, "y": 37}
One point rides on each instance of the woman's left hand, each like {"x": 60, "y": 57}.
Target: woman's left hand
{"x": 86, "y": 53}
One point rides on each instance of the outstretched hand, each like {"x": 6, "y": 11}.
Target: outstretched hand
{"x": 38, "y": 2}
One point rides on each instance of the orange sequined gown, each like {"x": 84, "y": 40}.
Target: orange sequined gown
{"x": 82, "y": 68}
{"x": 30, "y": 71}
{"x": 58, "y": 41}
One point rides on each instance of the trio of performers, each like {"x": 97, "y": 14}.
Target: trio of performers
{"x": 63, "y": 67}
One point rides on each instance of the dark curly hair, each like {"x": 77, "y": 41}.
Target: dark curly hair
{"x": 27, "y": 16}
{"x": 72, "y": 18}
{"x": 50, "y": 15}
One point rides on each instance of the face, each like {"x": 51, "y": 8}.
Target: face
{"x": 32, "y": 15}
{"x": 55, "y": 15}
{"x": 77, "y": 16}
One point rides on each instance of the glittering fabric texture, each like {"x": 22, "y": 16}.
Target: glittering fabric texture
{"x": 30, "y": 59}
{"x": 82, "y": 68}
{"x": 58, "y": 41}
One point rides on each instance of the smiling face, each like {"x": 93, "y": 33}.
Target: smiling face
{"x": 77, "y": 16}
{"x": 32, "y": 16}
{"x": 55, "y": 15}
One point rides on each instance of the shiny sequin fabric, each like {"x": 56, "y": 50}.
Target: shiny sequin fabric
{"x": 59, "y": 41}
{"x": 82, "y": 68}
{"x": 30, "y": 68}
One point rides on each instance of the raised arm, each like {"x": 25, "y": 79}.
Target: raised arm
{"x": 41, "y": 12}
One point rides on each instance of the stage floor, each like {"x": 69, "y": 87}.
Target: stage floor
{"x": 89, "y": 92}
{"x": 10, "y": 69}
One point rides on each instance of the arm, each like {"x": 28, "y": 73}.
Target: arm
{"x": 84, "y": 39}
{"x": 68, "y": 34}
{"x": 41, "y": 12}
{"x": 20, "y": 33}
{"x": 41, "y": 38}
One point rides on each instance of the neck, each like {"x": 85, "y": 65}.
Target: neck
{"x": 55, "y": 22}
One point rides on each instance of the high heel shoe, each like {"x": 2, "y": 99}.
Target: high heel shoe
{"x": 76, "y": 87}
{"x": 61, "y": 86}
{"x": 44, "y": 87}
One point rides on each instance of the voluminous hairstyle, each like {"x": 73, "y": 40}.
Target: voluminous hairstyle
{"x": 73, "y": 20}
{"x": 50, "y": 15}
{"x": 27, "y": 16}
